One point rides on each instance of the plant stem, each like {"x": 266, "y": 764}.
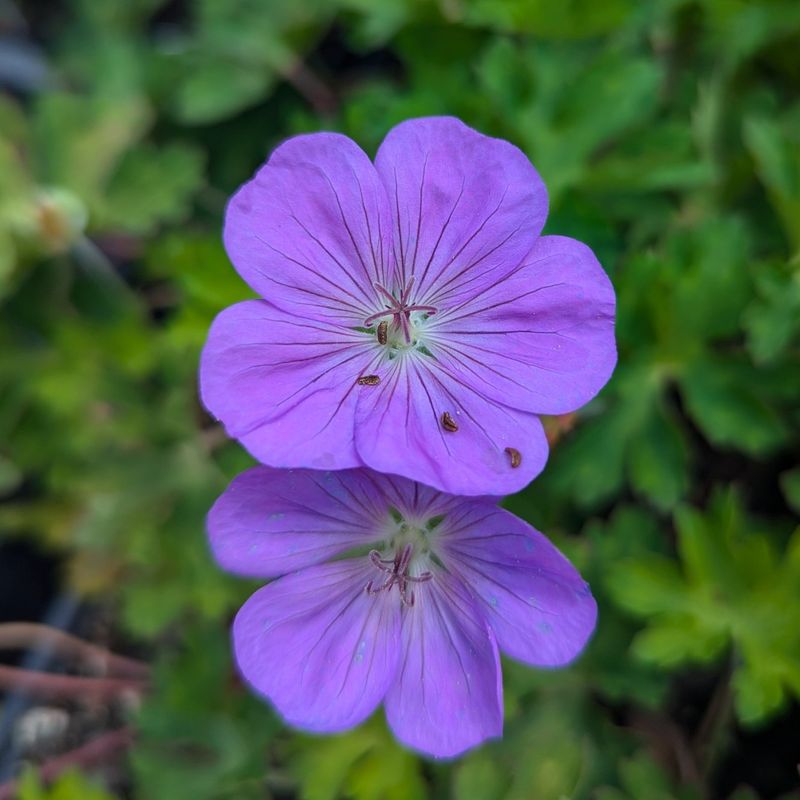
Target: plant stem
{"x": 24, "y": 635}
{"x": 65, "y": 686}
{"x": 707, "y": 740}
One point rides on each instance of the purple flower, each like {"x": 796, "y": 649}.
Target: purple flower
{"x": 414, "y": 320}
{"x": 391, "y": 592}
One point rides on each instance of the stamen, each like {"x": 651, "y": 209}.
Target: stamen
{"x": 383, "y": 332}
{"x": 399, "y": 310}
{"x": 407, "y": 291}
{"x": 372, "y": 318}
{"x": 369, "y": 380}
{"x": 448, "y": 423}
{"x": 387, "y": 565}
{"x": 515, "y": 456}
{"x": 387, "y": 295}
{"x": 396, "y": 571}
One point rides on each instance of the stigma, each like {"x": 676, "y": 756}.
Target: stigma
{"x": 397, "y": 574}
{"x": 399, "y": 309}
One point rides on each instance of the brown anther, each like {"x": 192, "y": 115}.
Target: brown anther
{"x": 448, "y": 423}
{"x": 369, "y": 380}
{"x": 383, "y": 332}
{"x": 515, "y": 456}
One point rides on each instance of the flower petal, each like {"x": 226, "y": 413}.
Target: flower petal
{"x": 272, "y": 521}
{"x": 317, "y": 645}
{"x": 448, "y": 695}
{"x": 285, "y": 387}
{"x": 311, "y": 231}
{"x": 401, "y": 429}
{"x": 542, "y": 339}
{"x": 540, "y": 609}
{"x": 466, "y": 208}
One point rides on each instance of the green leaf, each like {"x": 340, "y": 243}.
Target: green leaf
{"x": 676, "y": 640}
{"x": 723, "y": 396}
{"x": 647, "y": 586}
{"x": 71, "y": 785}
{"x": 201, "y": 737}
{"x": 82, "y": 140}
{"x": 772, "y": 320}
{"x": 365, "y": 764}
{"x": 576, "y": 19}
{"x": 10, "y": 476}
{"x": 479, "y": 777}
{"x": 790, "y": 483}
{"x": 152, "y": 186}
{"x": 733, "y": 590}
{"x": 213, "y": 90}
{"x": 776, "y": 150}
{"x": 659, "y": 461}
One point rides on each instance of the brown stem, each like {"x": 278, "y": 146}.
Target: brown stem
{"x": 213, "y": 438}
{"x": 65, "y": 686}
{"x": 718, "y": 712}
{"x": 97, "y": 751}
{"x": 669, "y": 747}
{"x": 23, "y": 635}
{"x": 310, "y": 86}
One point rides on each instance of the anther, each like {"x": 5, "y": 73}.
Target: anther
{"x": 448, "y": 423}
{"x": 383, "y": 332}
{"x": 515, "y": 456}
{"x": 369, "y": 380}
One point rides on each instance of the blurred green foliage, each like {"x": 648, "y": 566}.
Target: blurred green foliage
{"x": 668, "y": 133}
{"x": 69, "y": 786}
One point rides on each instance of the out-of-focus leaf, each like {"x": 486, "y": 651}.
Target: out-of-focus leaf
{"x": 202, "y": 736}
{"x": 151, "y": 186}
{"x": 478, "y": 777}
{"x": 659, "y": 461}
{"x": 365, "y": 764}
{"x": 71, "y": 785}
{"x": 790, "y": 483}
{"x": 773, "y": 319}
{"x": 724, "y": 398}
{"x": 776, "y": 150}
{"x": 642, "y": 777}
{"x": 730, "y": 590}
{"x": 83, "y": 140}
{"x": 575, "y": 19}
{"x": 10, "y": 476}
{"x": 237, "y": 52}
{"x": 568, "y": 105}
{"x": 740, "y": 29}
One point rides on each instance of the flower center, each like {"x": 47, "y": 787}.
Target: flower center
{"x": 397, "y": 574}
{"x": 399, "y": 311}
{"x": 407, "y": 554}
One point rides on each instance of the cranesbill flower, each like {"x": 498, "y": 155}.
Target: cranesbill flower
{"x": 391, "y": 592}
{"x": 414, "y": 321}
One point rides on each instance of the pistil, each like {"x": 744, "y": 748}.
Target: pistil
{"x": 399, "y": 310}
{"x": 396, "y": 570}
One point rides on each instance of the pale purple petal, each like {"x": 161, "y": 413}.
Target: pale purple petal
{"x": 541, "y": 610}
{"x": 448, "y": 694}
{"x": 542, "y": 339}
{"x": 465, "y": 208}
{"x": 284, "y": 386}
{"x": 400, "y": 429}
{"x": 310, "y": 232}
{"x": 272, "y": 521}
{"x": 317, "y": 645}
